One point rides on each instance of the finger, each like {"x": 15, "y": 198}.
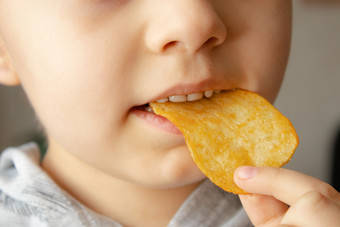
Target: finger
{"x": 285, "y": 185}
{"x": 263, "y": 209}
{"x": 313, "y": 209}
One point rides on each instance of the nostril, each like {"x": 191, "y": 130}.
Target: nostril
{"x": 213, "y": 41}
{"x": 171, "y": 44}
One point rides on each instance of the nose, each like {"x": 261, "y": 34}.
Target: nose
{"x": 186, "y": 25}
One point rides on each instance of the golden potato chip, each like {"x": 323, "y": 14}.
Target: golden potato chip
{"x": 232, "y": 129}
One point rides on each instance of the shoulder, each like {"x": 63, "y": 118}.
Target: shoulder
{"x": 29, "y": 197}
{"x": 16, "y": 164}
{"x": 19, "y": 174}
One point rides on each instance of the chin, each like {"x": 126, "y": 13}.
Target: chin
{"x": 173, "y": 175}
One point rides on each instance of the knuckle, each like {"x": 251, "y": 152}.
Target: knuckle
{"x": 313, "y": 200}
{"x": 328, "y": 191}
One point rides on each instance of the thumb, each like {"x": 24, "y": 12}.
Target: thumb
{"x": 262, "y": 209}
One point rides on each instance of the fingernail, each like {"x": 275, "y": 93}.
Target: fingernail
{"x": 246, "y": 172}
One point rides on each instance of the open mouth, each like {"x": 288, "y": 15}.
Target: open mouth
{"x": 145, "y": 107}
{"x": 179, "y": 98}
{"x": 146, "y": 113}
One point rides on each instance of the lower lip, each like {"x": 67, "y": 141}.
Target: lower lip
{"x": 157, "y": 121}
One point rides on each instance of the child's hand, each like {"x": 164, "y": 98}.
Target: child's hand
{"x": 288, "y": 198}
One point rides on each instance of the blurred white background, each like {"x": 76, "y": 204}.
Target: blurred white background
{"x": 310, "y": 94}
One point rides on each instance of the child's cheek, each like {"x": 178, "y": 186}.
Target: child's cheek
{"x": 69, "y": 85}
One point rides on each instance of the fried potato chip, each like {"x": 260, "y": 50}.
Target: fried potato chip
{"x": 232, "y": 129}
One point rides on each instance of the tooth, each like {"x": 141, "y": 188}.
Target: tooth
{"x": 163, "y": 100}
{"x": 194, "y": 96}
{"x": 208, "y": 94}
{"x": 178, "y": 98}
{"x": 149, "y": 109}
{"x": 217, "y": 91}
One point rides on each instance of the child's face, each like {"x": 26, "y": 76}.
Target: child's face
{"x": 86, "y": 63}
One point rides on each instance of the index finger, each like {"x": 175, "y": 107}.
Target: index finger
{"x": 285, "y": 185}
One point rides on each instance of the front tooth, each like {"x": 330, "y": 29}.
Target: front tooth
{"x": 209, "y": 93}
{"x": 163, "y": 100}
{"x": 178, "y": 98}
{"x": 194, "y": 96}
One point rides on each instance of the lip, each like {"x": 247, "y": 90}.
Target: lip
{"x": 156, "y": 121}
{"x": 164, "y": 124}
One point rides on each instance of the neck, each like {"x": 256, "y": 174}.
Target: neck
{"x": 127, "y": 203}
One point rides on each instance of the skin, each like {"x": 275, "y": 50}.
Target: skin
{"x": 284, "y": 197}
{"x": 85, "y": 64}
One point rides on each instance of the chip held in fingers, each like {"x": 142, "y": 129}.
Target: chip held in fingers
{"x": 231, "y": 129}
